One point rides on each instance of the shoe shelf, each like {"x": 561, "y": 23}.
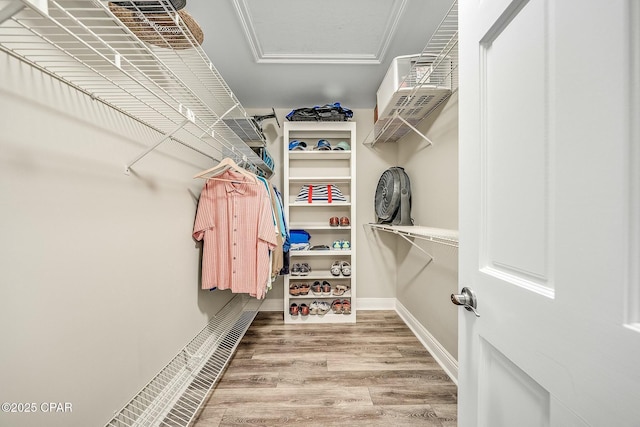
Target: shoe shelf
{"x": 176, "y": 92}
{"x": 317, "y": 275}
{"x": 322, "y": 252}
{"x": 317, "y": 226}
{"x": 320, "y": 179}
{"x": 335, "y": 167}
{"x": 319, "y": 204}
{"x": 315, "y": 155}
{"x": 312, "y": 297}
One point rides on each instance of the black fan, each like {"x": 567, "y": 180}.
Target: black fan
{"x": 393, "y": 197}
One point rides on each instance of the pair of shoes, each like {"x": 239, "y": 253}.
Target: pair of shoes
{"x": 341, "y": 307}
{"x": 341, "y": 267}
{"x": 300, "y": 269}
{"x": 340, "y": 290}
{"x": 319, "y": 248}
{"x": 294, "y": 309}
{"x": 341, "y": 245}
{"x": 299, "y": 289}
{"x": 319, "y": 307}
{"x": 321, "y": 289}
{"x": 334, "y": 221}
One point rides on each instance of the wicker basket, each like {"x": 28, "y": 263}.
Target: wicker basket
{"x": 160, "y": 29}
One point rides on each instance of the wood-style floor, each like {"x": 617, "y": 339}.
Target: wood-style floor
{"x": 373, "y": 373}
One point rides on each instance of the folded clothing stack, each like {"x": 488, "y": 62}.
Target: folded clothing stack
{"x": 300, "y": 246}
{"x": 320, "y": 193}
{"x": 299, "y": 236}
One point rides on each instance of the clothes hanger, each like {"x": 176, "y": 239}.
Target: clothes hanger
{"x": 226, "y": 164}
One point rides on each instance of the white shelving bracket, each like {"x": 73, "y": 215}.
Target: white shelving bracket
{"x": 435, "y": 235}
{"x": 166, "y": 136}
{"x": 413, "y": 128}
{"x": 233, "y": 107}
{"x": 414, "y": 244}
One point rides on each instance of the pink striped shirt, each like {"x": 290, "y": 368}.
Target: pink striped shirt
{"x": 234, "y": 220}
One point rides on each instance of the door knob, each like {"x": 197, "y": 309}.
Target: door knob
{"x": 467, "y": 299}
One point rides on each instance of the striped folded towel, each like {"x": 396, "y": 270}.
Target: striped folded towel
{"x": 320, "y": 193}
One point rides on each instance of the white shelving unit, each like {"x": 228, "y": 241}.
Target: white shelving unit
{"x": 415, "y": 85}
{"x": 177, "y": 92}
{"x": 333, "y": 167}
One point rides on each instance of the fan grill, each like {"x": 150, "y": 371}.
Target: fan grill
{"x": 387, "y": 195}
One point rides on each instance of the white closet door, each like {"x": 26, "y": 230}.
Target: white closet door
{"x": 549, "y": 213}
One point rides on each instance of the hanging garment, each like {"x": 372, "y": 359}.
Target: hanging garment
{"x": 320, "y": 193}
{"x": 277, "y": 257}
{"x": 234, "y": 220}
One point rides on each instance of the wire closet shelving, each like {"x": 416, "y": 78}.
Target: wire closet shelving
{"x": 176, "y": 91}
{"x": 175, "y": 396}
{"x": 440, "y": 236}
{"x": 431, "y": 79}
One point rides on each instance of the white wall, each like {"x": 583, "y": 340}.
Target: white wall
{"x": 99, "y": 275}
{"x": 433, "y": 170}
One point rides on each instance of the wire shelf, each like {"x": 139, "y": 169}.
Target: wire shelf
{"x": 431, "y": 80}
{"x": 436, "y": 235}
{"x": 84, "y": 43}
{"x": 174, "y": 397}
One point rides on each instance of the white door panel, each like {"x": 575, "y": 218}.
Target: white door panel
{"x": 549, "y": 213}
{"x": 515, "y": 145}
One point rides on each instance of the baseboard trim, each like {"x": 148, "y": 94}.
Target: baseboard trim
{"x": 376, "y": 303}
{"x": 439, "y": 353}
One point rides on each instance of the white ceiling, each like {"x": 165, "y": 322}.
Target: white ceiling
{"x": 301, "y": 53}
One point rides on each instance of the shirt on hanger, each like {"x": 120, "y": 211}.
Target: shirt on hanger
{"x": 234, "y": 220}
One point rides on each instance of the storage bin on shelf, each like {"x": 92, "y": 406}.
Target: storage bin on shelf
{"x": 429, "y": 76}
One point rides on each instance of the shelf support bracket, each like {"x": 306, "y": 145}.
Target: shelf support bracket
{"x": 220, "y": 118}
{"x": 423, "y": 136}
{"x": 166, "y": 136}
{"x": 10, "y": 10}
{"x": 416, "y": 246}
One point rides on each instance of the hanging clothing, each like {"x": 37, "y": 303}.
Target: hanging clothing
{"x": 277, "y": 256}
{"x": 234, "y": 220}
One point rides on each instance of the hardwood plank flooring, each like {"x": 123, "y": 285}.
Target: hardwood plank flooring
{"x": 373, "y": 373}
